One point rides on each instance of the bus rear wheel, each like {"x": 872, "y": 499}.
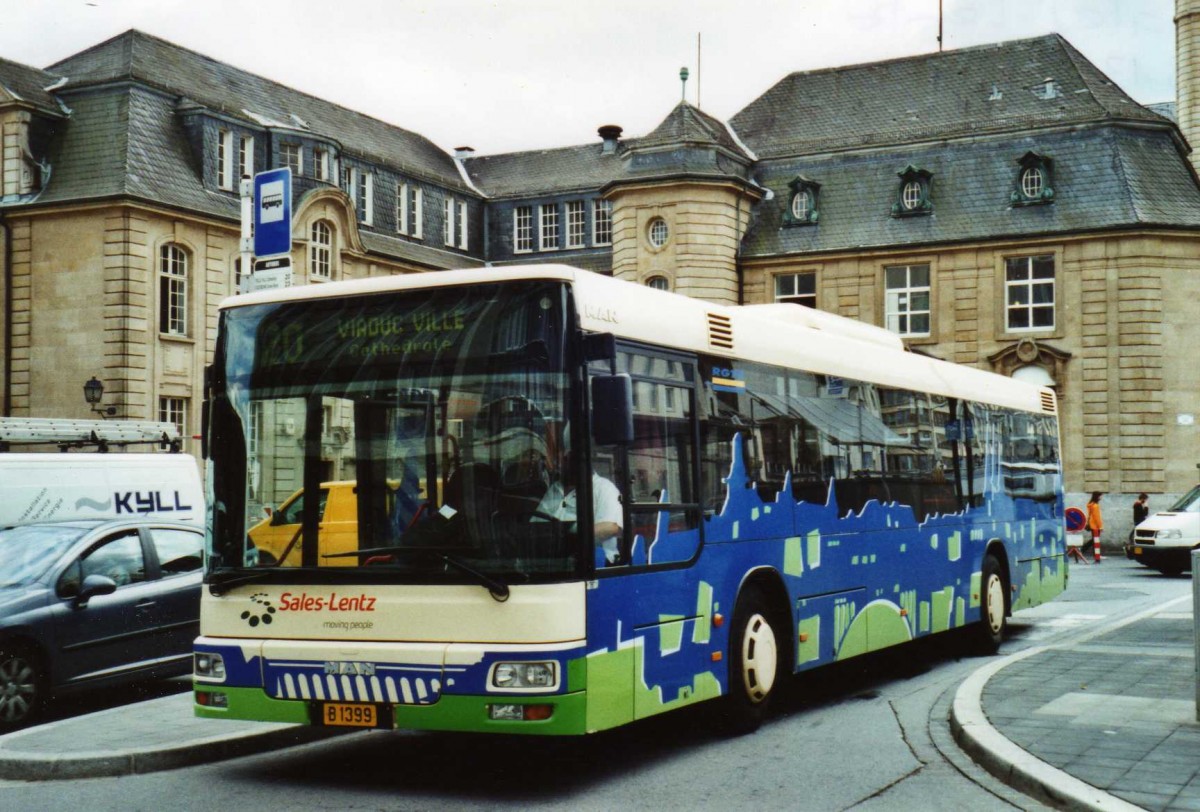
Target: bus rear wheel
{"x": 753, "y": 663}
{"x": 993, "y": 616}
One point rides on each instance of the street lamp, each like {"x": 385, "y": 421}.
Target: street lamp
{"x": 93, "y": 390}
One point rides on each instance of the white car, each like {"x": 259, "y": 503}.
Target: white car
{"x": 1165, "y": 540}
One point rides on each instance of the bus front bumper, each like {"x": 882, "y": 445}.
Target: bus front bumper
{"x": 565, "y": 714}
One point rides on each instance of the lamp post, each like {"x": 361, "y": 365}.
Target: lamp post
{"x": 93, "y": 391}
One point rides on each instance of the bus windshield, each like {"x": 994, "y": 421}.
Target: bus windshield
{"x": 408, "y": 433}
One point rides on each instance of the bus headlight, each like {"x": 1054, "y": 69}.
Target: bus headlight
{"x": 209, "y": 666}
{"x": 534, "y": 676}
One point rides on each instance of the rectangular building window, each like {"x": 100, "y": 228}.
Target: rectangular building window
{"x": 362, "y": 193}
{"x": 576, "y": 224}
{"x": 548, "y": 227}
{"x": 348, "y": 181}
{"x": 321, "y": 164}
{"x": 416, "y": 208}
{"x": 173, "y": 410}
{"x": 1029, "y": 292}
{"x": 293, "y": 158}
{"x": 402, "y": 208}
{"x": 522, "y": 229}
{"x": 907, "y": 299}
{"x": 797, "y": 288}
{"x": 225, "y": 170}
{"x": 173, "y": 290}
{"x": 602, "y": 222}
{"x": 462, "y": 225}
{"x": 448, "y": 222}
{"x": 246, "y": 155}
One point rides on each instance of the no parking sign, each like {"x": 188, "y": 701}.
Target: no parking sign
{"x": 1074, "y": 518}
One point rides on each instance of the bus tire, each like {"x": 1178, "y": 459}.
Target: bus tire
{"x": 754, "y": 666}
{"x": 988, "y": 633}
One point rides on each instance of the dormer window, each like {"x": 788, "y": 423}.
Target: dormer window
{"x": 914, "y": 193}
{"x": 1035, "y": 180}
{"x": 802, "y": 202}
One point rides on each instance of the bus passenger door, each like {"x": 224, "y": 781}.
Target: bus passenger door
{"x": 663, "y": 618}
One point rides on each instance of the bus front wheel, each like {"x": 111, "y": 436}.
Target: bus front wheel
{"x": 993, "y": 615}
{"x": 753, "y": 663}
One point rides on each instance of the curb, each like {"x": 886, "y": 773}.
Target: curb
{"x": 35, "y": 766}
{"x": 1013, "y": 765}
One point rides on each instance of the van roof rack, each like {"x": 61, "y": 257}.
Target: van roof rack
{"x": 67, "y": 433}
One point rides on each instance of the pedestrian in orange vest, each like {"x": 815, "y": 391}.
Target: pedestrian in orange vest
{"x": 1095, "y": 522}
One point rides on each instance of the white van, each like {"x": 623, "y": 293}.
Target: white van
{"x": 1165, "y": 540}
{"x": 39, "y": 488}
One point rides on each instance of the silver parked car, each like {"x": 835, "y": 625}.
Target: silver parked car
{"x": 91, "y": 604}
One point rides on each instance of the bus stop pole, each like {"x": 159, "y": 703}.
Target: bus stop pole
{"x": 1196, "y": 625}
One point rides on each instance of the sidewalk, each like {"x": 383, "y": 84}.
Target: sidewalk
{"x": 158, "y": 734}
{"x": 1106, "y": 723}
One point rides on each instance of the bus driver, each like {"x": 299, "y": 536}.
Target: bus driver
{"x": 559, "y": 503}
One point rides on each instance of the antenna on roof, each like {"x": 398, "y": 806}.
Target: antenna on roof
{"x": 939, "y": 26}
{"x": 683, "y": 75}
{"x": 697, "y": 70}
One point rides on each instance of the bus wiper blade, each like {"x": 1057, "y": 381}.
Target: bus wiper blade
{"x": 221, "y": 582}
{"x": 495, "y": 587}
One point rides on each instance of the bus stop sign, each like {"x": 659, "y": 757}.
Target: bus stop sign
{"x": 273, "y": 213}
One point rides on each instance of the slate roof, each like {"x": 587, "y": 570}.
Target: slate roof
{"x": 690, "y": 125}
{"x": 971, "y": 91}
{"x": 178, "y": 71}
{"x": 1104, "y": 177}
{"x": 544, "y": 172}
{"x": 23, "y": 83}
{"x": 547, "y": 172}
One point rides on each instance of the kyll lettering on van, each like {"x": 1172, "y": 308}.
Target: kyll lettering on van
{"x": 149, "y": 502}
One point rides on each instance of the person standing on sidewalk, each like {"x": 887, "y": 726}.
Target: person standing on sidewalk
{"x": 1095, "y": 522}
{"x": 1140, "y": 511}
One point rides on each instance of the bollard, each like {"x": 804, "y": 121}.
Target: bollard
{"x": 1196, "y": 624}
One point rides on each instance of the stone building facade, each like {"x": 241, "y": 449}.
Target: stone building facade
{"x": 1005, "y": 206}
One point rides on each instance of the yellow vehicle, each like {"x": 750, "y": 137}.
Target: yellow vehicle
{"x": 276, "y": 537}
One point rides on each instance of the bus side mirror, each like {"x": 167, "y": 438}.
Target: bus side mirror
{"x": 612, "y": 409}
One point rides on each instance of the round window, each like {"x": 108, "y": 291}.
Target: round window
{"x": 910, "y": 197}
{"x": 1032, "y": 182}
{"x": 801, "y": 204}
{"x": 658, "y": 232}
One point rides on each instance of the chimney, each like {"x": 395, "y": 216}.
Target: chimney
{"x": 1187, "y": 74}
{"x": 463, "y": 152}
{"x": 611, "y": 133}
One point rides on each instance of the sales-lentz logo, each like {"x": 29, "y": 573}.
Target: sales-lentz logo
{"x": 263, "y": 613}
{"x": 289, "y": 602}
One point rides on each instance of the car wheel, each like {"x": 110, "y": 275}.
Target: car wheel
{"x": 21, "y": 687}
{"x": 993, "y": 619}
{"x": 753, "y": 663}
{"x": 1171, "y": 570}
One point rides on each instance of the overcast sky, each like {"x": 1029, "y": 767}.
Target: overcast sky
{"x": 504, "y": 75}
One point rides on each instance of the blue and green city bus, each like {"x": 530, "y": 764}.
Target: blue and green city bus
{"x": 579, "y": 502}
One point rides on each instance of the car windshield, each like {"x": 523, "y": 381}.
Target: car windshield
{"x": 1190, "y": 503}
{"x": 27, "y": 552}
{"x": 429, "y": 421}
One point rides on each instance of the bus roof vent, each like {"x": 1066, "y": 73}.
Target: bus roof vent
{"x": 1048, "y": 405}
{"x": 720, "y": 332}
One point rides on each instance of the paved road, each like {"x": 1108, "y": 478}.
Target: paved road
{"x": 871, "y": 734}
